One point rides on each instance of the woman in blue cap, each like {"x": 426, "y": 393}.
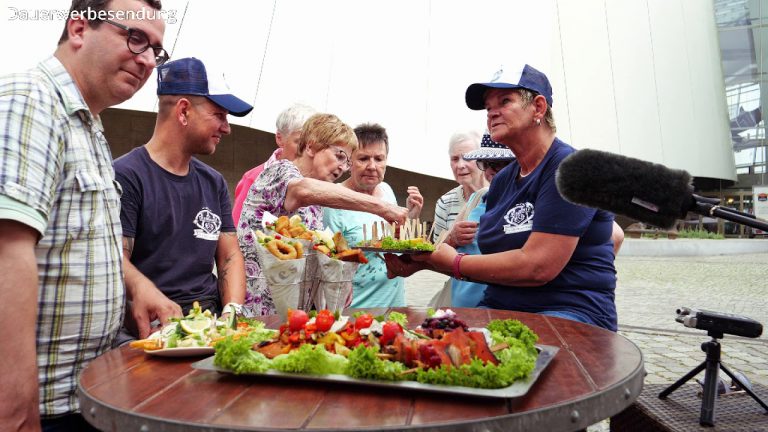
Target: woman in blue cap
{"x": 541, "y": 253}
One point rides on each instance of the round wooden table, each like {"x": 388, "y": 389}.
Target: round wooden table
{"x": 595, "y": 374}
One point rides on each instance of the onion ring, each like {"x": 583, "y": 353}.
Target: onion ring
{"x": 281, "y": 249}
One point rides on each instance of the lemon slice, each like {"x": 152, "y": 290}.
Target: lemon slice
{"x": 195, "y": 326}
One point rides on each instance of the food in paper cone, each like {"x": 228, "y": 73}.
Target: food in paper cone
{"x": 336, "y": 281}
{"x": 281, "y": 248}
{"x": 284, "y": 276}
{"x": 292, "y": 227}
{"x": 337, "y": 247}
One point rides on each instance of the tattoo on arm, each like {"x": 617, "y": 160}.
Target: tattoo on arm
{"x": 128, "y": 245}
{"x": 224, "y": 270}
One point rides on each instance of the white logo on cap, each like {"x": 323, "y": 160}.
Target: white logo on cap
{"x": 498, "y": 74}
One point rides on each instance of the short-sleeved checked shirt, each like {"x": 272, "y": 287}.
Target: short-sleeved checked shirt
{"x": 55, "y": 162}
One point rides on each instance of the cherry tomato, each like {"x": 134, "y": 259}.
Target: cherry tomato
{"x": 324, "y": 320}
{"x": 363, "y": 321}
{"x": 296, "y": 319}
{"x": 389, "y": 331}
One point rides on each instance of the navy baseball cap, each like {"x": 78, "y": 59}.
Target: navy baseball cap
{"x": 526, "y": 77}
{"x": 489, "y": 150}
{"x": 188, "y": 76}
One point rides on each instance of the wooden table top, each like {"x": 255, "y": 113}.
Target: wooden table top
{"x": 595, "y": 375}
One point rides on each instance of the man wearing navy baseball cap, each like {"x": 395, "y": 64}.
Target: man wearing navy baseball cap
{"x": 176, "y": 214}
{"x": 188, "y": 76}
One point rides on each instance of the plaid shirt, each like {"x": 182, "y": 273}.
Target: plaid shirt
{"x": 55, "y": 160}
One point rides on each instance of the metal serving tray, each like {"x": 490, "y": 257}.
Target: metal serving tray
{"x": 519, "y": 388}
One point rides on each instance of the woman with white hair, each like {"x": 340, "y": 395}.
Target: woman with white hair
{"x": 467, "y": 175}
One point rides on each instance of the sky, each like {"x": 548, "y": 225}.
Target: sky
{"x": 404, "y": 64}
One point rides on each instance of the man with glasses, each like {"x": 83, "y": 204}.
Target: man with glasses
{"x": 175, "y": 209}
{"x": 60, "y": 239}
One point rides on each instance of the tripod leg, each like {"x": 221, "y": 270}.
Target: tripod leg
{"x": 744, "y": 386}
{"x": 707, "y": 417}
{"x": 682, "y": 380}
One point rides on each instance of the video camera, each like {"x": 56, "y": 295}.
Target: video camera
{"x": 718, "y": 323}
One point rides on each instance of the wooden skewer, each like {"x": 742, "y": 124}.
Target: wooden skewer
{"x": 365, "y": 235}
{"x": 499, "y": 347}
{"x": 431, "y": 231}
{"x": 374, "y": 233}
{"x": 409, "y": 371}
{"x": 384, "y": 356}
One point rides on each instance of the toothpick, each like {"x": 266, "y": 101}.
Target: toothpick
{"x": 365, "y": 235}
{"x": 405, "y": 230}
{"x": 374, "y": 232}
{"x": 431, "y": 231}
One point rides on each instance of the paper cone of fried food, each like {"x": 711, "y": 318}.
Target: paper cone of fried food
{"x": 336, "y": 281}
{"x": 283, "y": 275}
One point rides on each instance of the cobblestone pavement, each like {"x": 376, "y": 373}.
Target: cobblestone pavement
{"x": 651, "y": 289}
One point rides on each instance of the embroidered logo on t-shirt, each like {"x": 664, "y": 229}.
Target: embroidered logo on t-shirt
{"x": 519, "y": 218}
{"x": 209, "y": 224}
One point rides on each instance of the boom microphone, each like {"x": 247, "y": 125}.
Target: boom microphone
{"x": 641, "y": 190}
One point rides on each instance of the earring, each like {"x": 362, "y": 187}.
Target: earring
{"x": 538, "y": 122}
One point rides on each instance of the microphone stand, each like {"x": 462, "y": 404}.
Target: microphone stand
{"x": 711, "y": 207}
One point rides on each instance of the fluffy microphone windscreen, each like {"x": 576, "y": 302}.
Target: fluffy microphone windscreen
{"x": 641, "y": 190}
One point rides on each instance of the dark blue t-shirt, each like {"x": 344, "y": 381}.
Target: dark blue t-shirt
{"x": 175, "y": 221}
{"x": 517, "y": 207}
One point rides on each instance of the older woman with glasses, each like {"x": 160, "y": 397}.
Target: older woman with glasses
{"x": 541, "y": 253}
{"x": 302, "y": 187}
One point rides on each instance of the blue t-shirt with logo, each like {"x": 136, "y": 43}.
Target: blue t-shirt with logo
{"x": 515, "y": 208}
{"x": 176, "y": 222}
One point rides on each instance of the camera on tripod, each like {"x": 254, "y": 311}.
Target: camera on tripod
{"x": 717, "y": 323}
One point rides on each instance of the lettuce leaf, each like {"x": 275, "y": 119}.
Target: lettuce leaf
{"x": 310, "y": 359}
{"x": 390, "y": 243}
{"x": 237, "y": 356}
{"x": 365, "y": 364}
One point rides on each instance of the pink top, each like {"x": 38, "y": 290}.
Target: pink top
{"x": 244, "y": 185}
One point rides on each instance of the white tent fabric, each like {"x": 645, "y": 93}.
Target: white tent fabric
{"x": 404, "y": 64}
{"x": 640, "y": 78}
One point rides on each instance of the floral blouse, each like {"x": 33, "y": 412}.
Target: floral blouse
{"x": 267, "y": 194}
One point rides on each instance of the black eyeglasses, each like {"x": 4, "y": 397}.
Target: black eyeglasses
{"x": 138, "y": 42}
{"x": 496, "y": 165}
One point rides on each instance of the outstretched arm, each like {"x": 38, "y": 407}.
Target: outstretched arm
{"x": 18, "y": 294}
{"x": 148, "y": 303}
{"x": 230, "y": 266}
{"x": 308, "y": 191}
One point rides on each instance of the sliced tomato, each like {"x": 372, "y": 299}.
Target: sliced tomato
{"x": 324, "y": 320}
{"x": 363, "y": 321}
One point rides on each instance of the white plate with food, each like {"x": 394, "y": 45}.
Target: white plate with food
{"x": 181, "y": 352}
